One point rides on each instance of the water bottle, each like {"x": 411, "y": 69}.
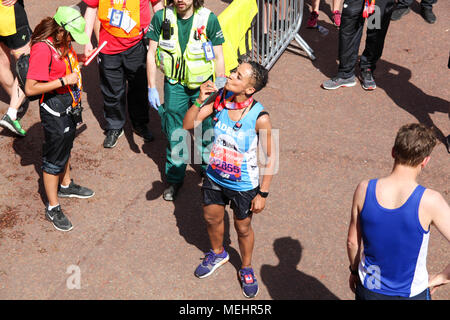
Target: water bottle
{"x": 322, "y": 30}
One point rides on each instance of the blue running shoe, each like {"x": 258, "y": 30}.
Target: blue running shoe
{"x": 210, "y": 263}
{"x": 248, "y": 282}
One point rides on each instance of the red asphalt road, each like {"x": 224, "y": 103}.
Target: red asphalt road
{"x": 130, "y": 244}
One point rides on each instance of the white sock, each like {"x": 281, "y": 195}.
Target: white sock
{"x": 12, "y": 113}
{"x": 65, "y": 187}
{"x": 51, "y": 207}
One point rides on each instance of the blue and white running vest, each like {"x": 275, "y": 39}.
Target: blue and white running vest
{"x": 395, "y": 246}
{"x": 233, "y": 162}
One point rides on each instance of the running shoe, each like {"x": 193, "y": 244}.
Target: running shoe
{"x": 312, "y": 21}
{"x": 111, "y": 137}
{"x": 13, "y": 125}
{"x": 248, "y": 282}
{"x": 211, "y": 263}
{"x": 337, "y": 18}
{"x": 58, "y": 218}
{"x": 75, "y": 191}
{"x": 368, "y": 82}
{"x": 336, "y": 83}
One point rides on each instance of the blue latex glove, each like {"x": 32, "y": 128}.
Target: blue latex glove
{"x": 153, "y": 98}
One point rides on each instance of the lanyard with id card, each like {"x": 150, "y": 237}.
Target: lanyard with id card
{"x": 116, "y": 16}
{"x": 208, "y": 50}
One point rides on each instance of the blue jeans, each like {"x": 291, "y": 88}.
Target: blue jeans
{"x": 363, "y": 293}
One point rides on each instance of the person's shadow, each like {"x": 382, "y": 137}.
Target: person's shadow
{"x": 29, "y": 149}
{"x": 188, "y": 209}
{"x": 395, "y": 80}
{"x": 285, "y": 281}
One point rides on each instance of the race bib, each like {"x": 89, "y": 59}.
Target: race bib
{"x": 226, "y": 162}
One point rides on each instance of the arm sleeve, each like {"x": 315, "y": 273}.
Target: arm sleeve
{"x": 40, "y": 56}
{"x": 91, "y": 3}
{"x": 154, "y": 30}
{"x": 214, "y": 31}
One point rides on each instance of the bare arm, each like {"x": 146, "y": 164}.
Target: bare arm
{"x": 219, "y": 61}
{"x": 196, "y": 115}
{"x": 90, "y": 16}
{"x": 151, "y": 64}
{"x": 354, "y": 231}
{"x": 34, "y": 87}
{"x": 264, "y": 129}
{"x": 439, "y": 210}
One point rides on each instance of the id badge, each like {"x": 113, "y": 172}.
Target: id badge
{"x": 208, "y": 50}
{"x": 116, "y": 18}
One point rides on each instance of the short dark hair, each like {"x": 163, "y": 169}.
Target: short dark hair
{"x": 260, "y": 75}
{"x": 197, "y": 3}
{"x": 413, "y": 143}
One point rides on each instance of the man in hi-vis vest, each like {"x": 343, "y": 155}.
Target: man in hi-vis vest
{"x": 186, "y": 44}
{"x": 121, "y": 61}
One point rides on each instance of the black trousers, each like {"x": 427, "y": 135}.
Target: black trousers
{"x": 408, "y": 3}
{"x": 59, "y": 132}
{"x": 115, "y": 71}
{"x": 350, "y": 33}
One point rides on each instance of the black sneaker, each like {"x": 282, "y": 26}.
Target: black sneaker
{"x": 171, "y": 192}
{"x": 399, "y": 12}
{"x": 368, "y": 82}
{"x": 142, "y": 131}
{"x": 75, "y": 191}
{"x": 112, "y": 136}
{"x": 428, "y": 15}
{"x": 59, "y": 220}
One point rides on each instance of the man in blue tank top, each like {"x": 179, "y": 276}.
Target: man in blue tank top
{"x": 390, "y": 224}
{"x": 233, "y": 174}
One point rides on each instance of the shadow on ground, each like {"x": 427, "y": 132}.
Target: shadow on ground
{"x": 285, "y": 282}
{"x": 395, "y": 81}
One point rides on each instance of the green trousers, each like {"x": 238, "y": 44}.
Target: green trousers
{"x": 177, "y": 100}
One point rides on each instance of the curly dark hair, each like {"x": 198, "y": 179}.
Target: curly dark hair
{"x": 197, "y": 3}
{"x": 260, "y": 75}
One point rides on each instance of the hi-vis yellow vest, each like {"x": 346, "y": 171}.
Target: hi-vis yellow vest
{"x": 132, "y": 7}
{"x": 190, "y": 69}
{"x": 7, "y": 21}
{"x": 236, "y": 22}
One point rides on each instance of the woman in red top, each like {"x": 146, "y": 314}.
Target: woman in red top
{"x": 54, "y": 73}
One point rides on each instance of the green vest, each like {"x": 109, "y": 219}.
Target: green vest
{"x": 191, "y": 68}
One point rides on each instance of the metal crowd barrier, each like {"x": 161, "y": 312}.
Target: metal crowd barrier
{"x": 273, "y": 29}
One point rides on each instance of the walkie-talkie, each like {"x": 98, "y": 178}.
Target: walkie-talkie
{"x": 166, "y": 28}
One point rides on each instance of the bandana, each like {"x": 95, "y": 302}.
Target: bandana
{"x": 223, "y": 103}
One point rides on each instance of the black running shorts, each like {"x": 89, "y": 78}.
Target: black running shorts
{"x": 240, "y": 201}
{"x": 23, "y": 30}
{"x": 59, "y": 132}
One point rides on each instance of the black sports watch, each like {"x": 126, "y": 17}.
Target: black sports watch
{"x": 263, "y": 194}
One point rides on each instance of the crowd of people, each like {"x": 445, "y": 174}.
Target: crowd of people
{"x": 391, "y": 216}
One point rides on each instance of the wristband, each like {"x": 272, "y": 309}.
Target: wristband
{"x": 197, "y": 104}
{"x": 62, "y": 81}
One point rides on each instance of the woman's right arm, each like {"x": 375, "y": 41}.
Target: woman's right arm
{"x": 195, "y": 115}
{"x": 34, "y": 87}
